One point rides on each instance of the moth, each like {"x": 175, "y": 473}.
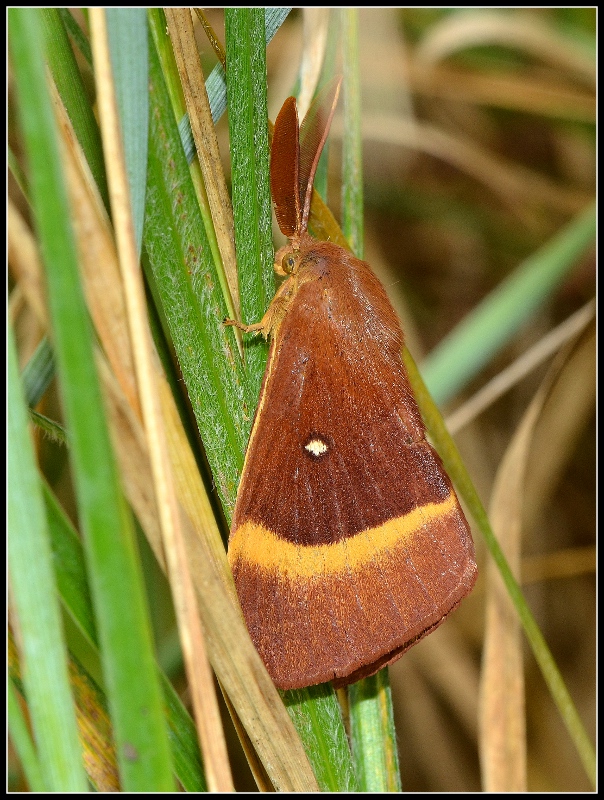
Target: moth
{"x": 348, "y": 544}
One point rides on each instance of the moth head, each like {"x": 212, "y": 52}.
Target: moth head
{"x": 287, "y": 260}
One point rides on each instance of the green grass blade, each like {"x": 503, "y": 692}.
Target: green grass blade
{"x": 33, "y": 592}
{"x": 70, "y": 569}
{"x": 372, "y": 734}
{"x": 193, "y": 305}
{"x": 70, "y": 85}
{"x": 38, "y": 373}
{"x": 352, "y": 145}
{"x": 274, "y": 19}
{"x": 36, "y": 378}
{"x": 158, "y": 25}
{"x": 163, "y": 46}
{"x": 52, "y": 429}
{"x": 76, "y": 34}
{"x": 184, "y": 741}
{"x": 491, "y": 324}
{"x": 22, "y": 741}
{"x": 70, "y": 572}
{"x": 316, "y": 713}
{"x": 128, "y": 41}
{"x": 115, "y": 579}
{"x": 248, "y": 127}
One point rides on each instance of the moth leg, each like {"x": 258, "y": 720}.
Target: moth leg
{"x": 265, "y": 325}
{"x": 256, "y": 327}
{"x": 274, "y": 313}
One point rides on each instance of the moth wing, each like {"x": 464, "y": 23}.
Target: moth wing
{"x": 348, "y": 543}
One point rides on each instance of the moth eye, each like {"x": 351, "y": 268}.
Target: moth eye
{"x": 288, "y": 263}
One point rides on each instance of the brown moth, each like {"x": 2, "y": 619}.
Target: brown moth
{"x": 348, "y": 544}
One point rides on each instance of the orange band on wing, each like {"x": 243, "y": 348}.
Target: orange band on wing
{"x": 256, "y": 545}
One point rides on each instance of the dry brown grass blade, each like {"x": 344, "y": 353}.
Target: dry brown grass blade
{"x": 192, "y": 492}
{"x": 567, "y": 393}
{"x": 213, "y": 39}
{"x": 316, "y": 23}
{"x": 569, "y": 407}
{"x": 97, "y": 257}
{"x": 429, "y": 743}
{"x": 566, "y": 563}
{"x": 199, "y": 673}
{"x": 515, "y": 184}
{"x": 522, "y": 31}
{"x": 180, "y": 27}
{"x": 521, "y": 367}
{"x": 260, "y": 775}
{"x": 24, "y": 263}
{"x": 26, "y": 305}
{"x": 447, "y": 664}
{"x": 530, "y": 93}
{"x": 94, "y": 725}
{"x": 502, "y": 711}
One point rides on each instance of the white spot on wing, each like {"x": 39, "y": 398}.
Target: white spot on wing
{"x": 317, "y": 447}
